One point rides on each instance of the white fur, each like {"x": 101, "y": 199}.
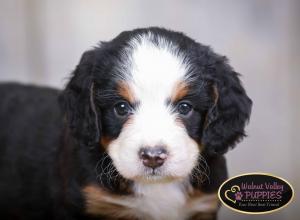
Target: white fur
{"x": 160, "y": 201}
{"x": 165, "y": 201}
{"x": 170, "y": 201}
{"x": 154, "y": 71}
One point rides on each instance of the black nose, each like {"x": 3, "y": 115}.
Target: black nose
{"x": 153, "y": 156}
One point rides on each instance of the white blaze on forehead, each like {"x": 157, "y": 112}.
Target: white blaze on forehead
{"x": 155, "y": 68}
{"x": 153, "y": 72}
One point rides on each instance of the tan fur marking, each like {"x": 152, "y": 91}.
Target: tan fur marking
{"x": 201, "y": 146}
{"x": 215, "y": 94}
{"x": 126, "y": 92}
{"x": 200, "y": 202}
{"x": 101, "y": 203}
{"x": 179, "y": 91}
{"x": 105, "y": 141}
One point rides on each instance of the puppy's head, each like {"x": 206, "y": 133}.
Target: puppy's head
{"x": 154, "y": 100}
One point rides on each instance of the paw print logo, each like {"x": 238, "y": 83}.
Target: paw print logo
{"x": 238, "y": 196}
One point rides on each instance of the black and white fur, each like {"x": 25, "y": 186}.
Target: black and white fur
{"x": 76, "y": 153}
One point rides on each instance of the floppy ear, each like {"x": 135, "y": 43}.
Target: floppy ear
{"x": 78, "y": 103}
{"x": 227, "y": 118}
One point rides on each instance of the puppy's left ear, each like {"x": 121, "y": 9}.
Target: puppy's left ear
{"x": 78, "y": 103}
{"x": 227, "y": 118}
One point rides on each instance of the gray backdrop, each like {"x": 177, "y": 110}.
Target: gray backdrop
{"x": 42, "y": 41}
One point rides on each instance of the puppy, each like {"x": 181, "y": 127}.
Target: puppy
{"x": 138, "y": 133}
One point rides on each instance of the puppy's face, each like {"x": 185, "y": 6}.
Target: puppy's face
{"x": 155, "y": 100}
{"x": 153, "y": 123}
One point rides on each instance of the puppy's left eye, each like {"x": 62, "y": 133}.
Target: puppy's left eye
{"x": 184, "y": 108}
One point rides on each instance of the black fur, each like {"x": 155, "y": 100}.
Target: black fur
{"x": 49, "y": 139}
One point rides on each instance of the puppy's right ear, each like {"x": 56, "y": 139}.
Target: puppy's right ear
{"x": 78, "y": 104}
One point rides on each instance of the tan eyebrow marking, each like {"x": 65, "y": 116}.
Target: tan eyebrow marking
{"x": 179, "y": 91}
{"x": 126, "y": 92}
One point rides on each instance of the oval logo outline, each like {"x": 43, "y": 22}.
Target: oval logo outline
{"x": 251, "y": 174}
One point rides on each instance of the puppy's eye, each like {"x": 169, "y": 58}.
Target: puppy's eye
{"x": 184, "y": 108}
{"x": 122, "y": 109}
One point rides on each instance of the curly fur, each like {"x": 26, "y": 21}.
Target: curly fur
{"x": 50, "y": 140}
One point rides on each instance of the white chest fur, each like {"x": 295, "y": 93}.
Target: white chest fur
{"x": 151, "y": 202}
{"x": 160, "y": 201}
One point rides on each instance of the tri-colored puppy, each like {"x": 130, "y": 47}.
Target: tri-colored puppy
{"x": 138, "y": 133}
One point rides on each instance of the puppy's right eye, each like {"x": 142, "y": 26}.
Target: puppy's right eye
{"x": 122, "y": 109}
